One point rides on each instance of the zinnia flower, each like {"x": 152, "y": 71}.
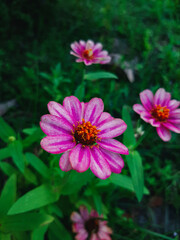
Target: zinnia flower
{"x": 160, "y": 111}
{"x": 83, "y": 132}
{"x": 89, "y": 52}
{"x": 90, "y": 226}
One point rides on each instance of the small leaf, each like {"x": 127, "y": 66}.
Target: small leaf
{"x": 38, "y": 233}
{"x": 5, "y": 236}
{"x": 4, "y": 153}
{"x": 128, "y": 135}
{"x": 80, "y": 91}
{"x": 6, "y": 131}
{"x": 15, "y": 149}
{"x": 36, "y": 198}
{"x": 57, "y": 229}
{"x": 37, "y": 164}
{"x": 97, "y": 201}
{"x": 99, "y": 75}
{"x": 8, "y": 195}
{"x": 34, "y": 137}
{"x": 8, "y": 169}
{"x": 136, "y": 169}
{"x": 24, "y": 222}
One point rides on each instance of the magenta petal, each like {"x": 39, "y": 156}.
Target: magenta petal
{"x": 162, "y": 97}
{"x": 80, "y": 158}
{"x": 154, "y": 123}
{"x": 164, "y": 133}
{"x": 146, "y": 116}
{"x": 52, "y": 125}
{"x": 175, "y": 113}
{"x": 59, "y": 111}
{"x": 89, "y": 44}
{"x": 147, "y": 99}
{"x": 82, "y": 235}
{"x": 114, "y": 160}
{"x": 88, "y": 62}
{"x": 73, "y": 106}
{"x": 112, "y": 128}
{"x": 173, "y": 104}
{"x": 84, "y": 212}
{"x": 103, "y": 235}
{"x": 99, "y": 165}
{"x": 94, "y": 237}
{"x": 138, "y": 108}
{"x": 76, "y": 217}
{"x": 93, "y": 110}
{"x": 64, "y": 162}
{"x": 171, "y": 127}
{"x": 114, "y": 146}
{"x": 57, "y": 144}
{"x": 97, "y": 48}
{"x": 105, "y": 117}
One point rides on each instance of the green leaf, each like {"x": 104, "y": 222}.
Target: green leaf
{"x": 15, "y": 149}
{"x": 34, "y": 137}
{"x": 30, "y": 176}
{"x": 80, "y": 91}
{"x": 6, "y": 131}
{"x": 128, "y": 135}
{"x": 7, "y": 168}
{"x": 4, "y": 153}
{"x": 38, "y": 233}
{"x": 57, "y": 229}
{"x": 36, "y": 198}
{"x": 24, "y": 222}
{"x": 121, "y": 181}
{"x": 5, "y": 236}
{"x": 99, "y": 75}
{"x": 75, "y": 181}
{"x": 136, "y": 169}
{"x": 8, "y": 195}
{"x": 97, "y": 202}
{"x": 36, "y": 163}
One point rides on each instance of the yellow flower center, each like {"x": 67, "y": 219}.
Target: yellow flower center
{"x": 160, "y": 113}
{"x": 85, "y": 133}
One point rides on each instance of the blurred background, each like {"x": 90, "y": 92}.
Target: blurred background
{"x": 143, "y": 38}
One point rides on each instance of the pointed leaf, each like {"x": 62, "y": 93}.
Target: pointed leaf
{"x": 36, "y": 198}
{"x": 16, "y": 149}
{"x": 8, "y": 169}
{"x": 8, "y": 195}
{"x": 34, "y": 137}
{"x": 38, "y": 233}
{"x": 136, "y": 169}
{"x": 80, "y": 91}
{"x": 99, "y": 75}
{"x": 4, "y": 153}
{"x": 6, "y": 131}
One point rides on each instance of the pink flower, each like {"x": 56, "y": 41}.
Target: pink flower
{"x": 160, "y": 111}
{"x": 90, "y": 226}
{"x": 89, "y": 52}
{"x": 83, "y": 132}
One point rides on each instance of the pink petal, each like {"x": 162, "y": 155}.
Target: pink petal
{"x": 64, "y": 162}
{"x": 174, "y": 120}
{"x": 175, "y": 113}
{"x": 76, "y": 227}
{"x": 59, "y": 111}
{"x": 106, "y": 229}
{"x": 87, "y": 62}
{"x": 163, "y": 133}
{"x": 75, "y": 54}
{"x": 113, "y": 145}
{"x": 114, "y": 160}
{"x": 82, "y": 235}
{"x": 76, "y": 217}
{"x": 102, "y": 54}
{"x": 76, "y": 47}
{"x": 112, "y": 128}
{"x": 94, "y": 237}
{"x": 57, "y": 144}
{"x": 171, "y": 127}
{"x": 162, "y": 97}
{"x": 103, "y": 236}
{"x": 80, "y": 158}
{"x": 82, "y": 44}
{"x": 93, "y": 110}
{"x": 154, "y": 123}
{"x": 73, "y": 106}
{"x": 138, "y": 108}
{"x": 94, "y": 214}
{"x": 79, "y": 60}
{"x": 146, "y": 116}
{"x": 105, "y": 60}
{"x": 84, "y": 212}
{"x": 52, "y": 125}
{"x": 173, "y": 104}
{"x": 97, "y": 48}
{"x": 89, "y": 44}
{"x": 99, "y": 165}
{"x": 147, "y": 99}
{"x": 105, "y": 117}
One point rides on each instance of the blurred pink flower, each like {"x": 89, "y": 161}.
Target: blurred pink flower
{"x": 160, "y": 111}
{"x": 89, "y": 52}
{"x": 90, "y": 226}
{"x": 84, "y": 133}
